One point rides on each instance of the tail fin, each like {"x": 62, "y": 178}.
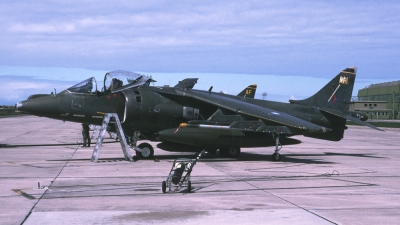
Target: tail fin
{"x": 187, "y": 83}
{"x": 249, "y": 91}
{"x": 336, "y": 94}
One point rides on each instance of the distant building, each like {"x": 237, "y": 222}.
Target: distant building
{"x": 379, "y": 101}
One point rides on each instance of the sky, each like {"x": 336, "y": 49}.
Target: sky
{"x": 289, "y": 48}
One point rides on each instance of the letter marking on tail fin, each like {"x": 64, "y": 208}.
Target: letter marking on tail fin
{"x": 344, "y": 80}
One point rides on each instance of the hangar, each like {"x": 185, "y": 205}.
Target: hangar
{"x": 379, "y": 101}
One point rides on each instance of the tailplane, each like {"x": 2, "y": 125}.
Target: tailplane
{"x": 336, "y": 94}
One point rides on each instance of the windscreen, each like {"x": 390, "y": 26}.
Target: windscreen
{"x": 88, "y": 86}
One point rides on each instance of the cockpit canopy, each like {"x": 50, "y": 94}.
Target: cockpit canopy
{"x": 119, "y": 80}
{"x": 114, "y": 81}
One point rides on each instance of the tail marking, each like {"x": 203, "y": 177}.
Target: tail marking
{"x": 334, "y": 93}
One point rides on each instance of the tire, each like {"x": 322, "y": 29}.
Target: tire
{"x": 148, "y": 151}
{"x": 189, "y": 187}
{"x": 276, "y": 157}
{"x": 164, "y": 187}
{"x": 230, "y": 152}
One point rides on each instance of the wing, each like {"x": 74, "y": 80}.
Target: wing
{"x": 256, "y": 111}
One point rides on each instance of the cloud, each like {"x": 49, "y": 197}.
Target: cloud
{"x": 17, "y": 88}
{"x": 21, "y": 86}
{"x": 259, "y": 37}
{"x": 42, "y": 28}
{"x": 25, "y": 81}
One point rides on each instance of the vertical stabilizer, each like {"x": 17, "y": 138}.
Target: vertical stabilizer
{"x": 187, "y": 83}
{"x": 336, "y": 94}
{"x": 249, "y": 91}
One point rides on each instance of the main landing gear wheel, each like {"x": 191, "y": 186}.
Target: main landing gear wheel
{"x": 230, "y": 152}
{"x": 189, "y": 185}
{"x": 276, "y": 157}
{"x": 148, "y": 151}
{"x": 164, "y": 187}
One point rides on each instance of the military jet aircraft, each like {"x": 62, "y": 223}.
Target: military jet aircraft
{"x": 125, "y": 93}
{"x": 198, "y": 119}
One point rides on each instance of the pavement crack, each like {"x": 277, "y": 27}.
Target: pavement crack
{"x": 283, "y": 199}
{"x": 51, "y": 183}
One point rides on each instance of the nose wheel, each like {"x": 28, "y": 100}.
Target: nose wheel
{"x": 147, "y": 151}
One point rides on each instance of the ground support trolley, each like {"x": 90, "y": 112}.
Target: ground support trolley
{"x": 179, "y": 176}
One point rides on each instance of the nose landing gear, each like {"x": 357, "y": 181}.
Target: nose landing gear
{"x": 144, "y": 150}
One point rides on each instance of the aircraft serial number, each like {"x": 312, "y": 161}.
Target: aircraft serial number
{"x": 301, "y": 109}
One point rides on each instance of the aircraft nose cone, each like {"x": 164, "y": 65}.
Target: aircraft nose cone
{"x": 26, "y": 107}
{"x": 18, "y": 106}
{"x": 43, "y": 106}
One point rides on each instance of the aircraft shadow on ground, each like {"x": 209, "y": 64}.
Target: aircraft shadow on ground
{"x": 44, "y": 145}
{"x": 353, "y": 155}
{"x": 244, "y": 157}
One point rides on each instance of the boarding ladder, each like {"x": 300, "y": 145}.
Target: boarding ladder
{"x": 120, "y": 134}
{"x": 96, "y": 131}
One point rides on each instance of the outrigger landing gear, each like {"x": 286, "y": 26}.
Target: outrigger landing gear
{"x": 276, "y": 156}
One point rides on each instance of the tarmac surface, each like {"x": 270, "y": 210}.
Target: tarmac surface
{"x": 354, "y": 181}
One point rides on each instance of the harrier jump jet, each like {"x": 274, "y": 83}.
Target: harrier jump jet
{"x": 197, "y": 119}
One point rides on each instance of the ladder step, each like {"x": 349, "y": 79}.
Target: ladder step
{"x": 120, "y": 134}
